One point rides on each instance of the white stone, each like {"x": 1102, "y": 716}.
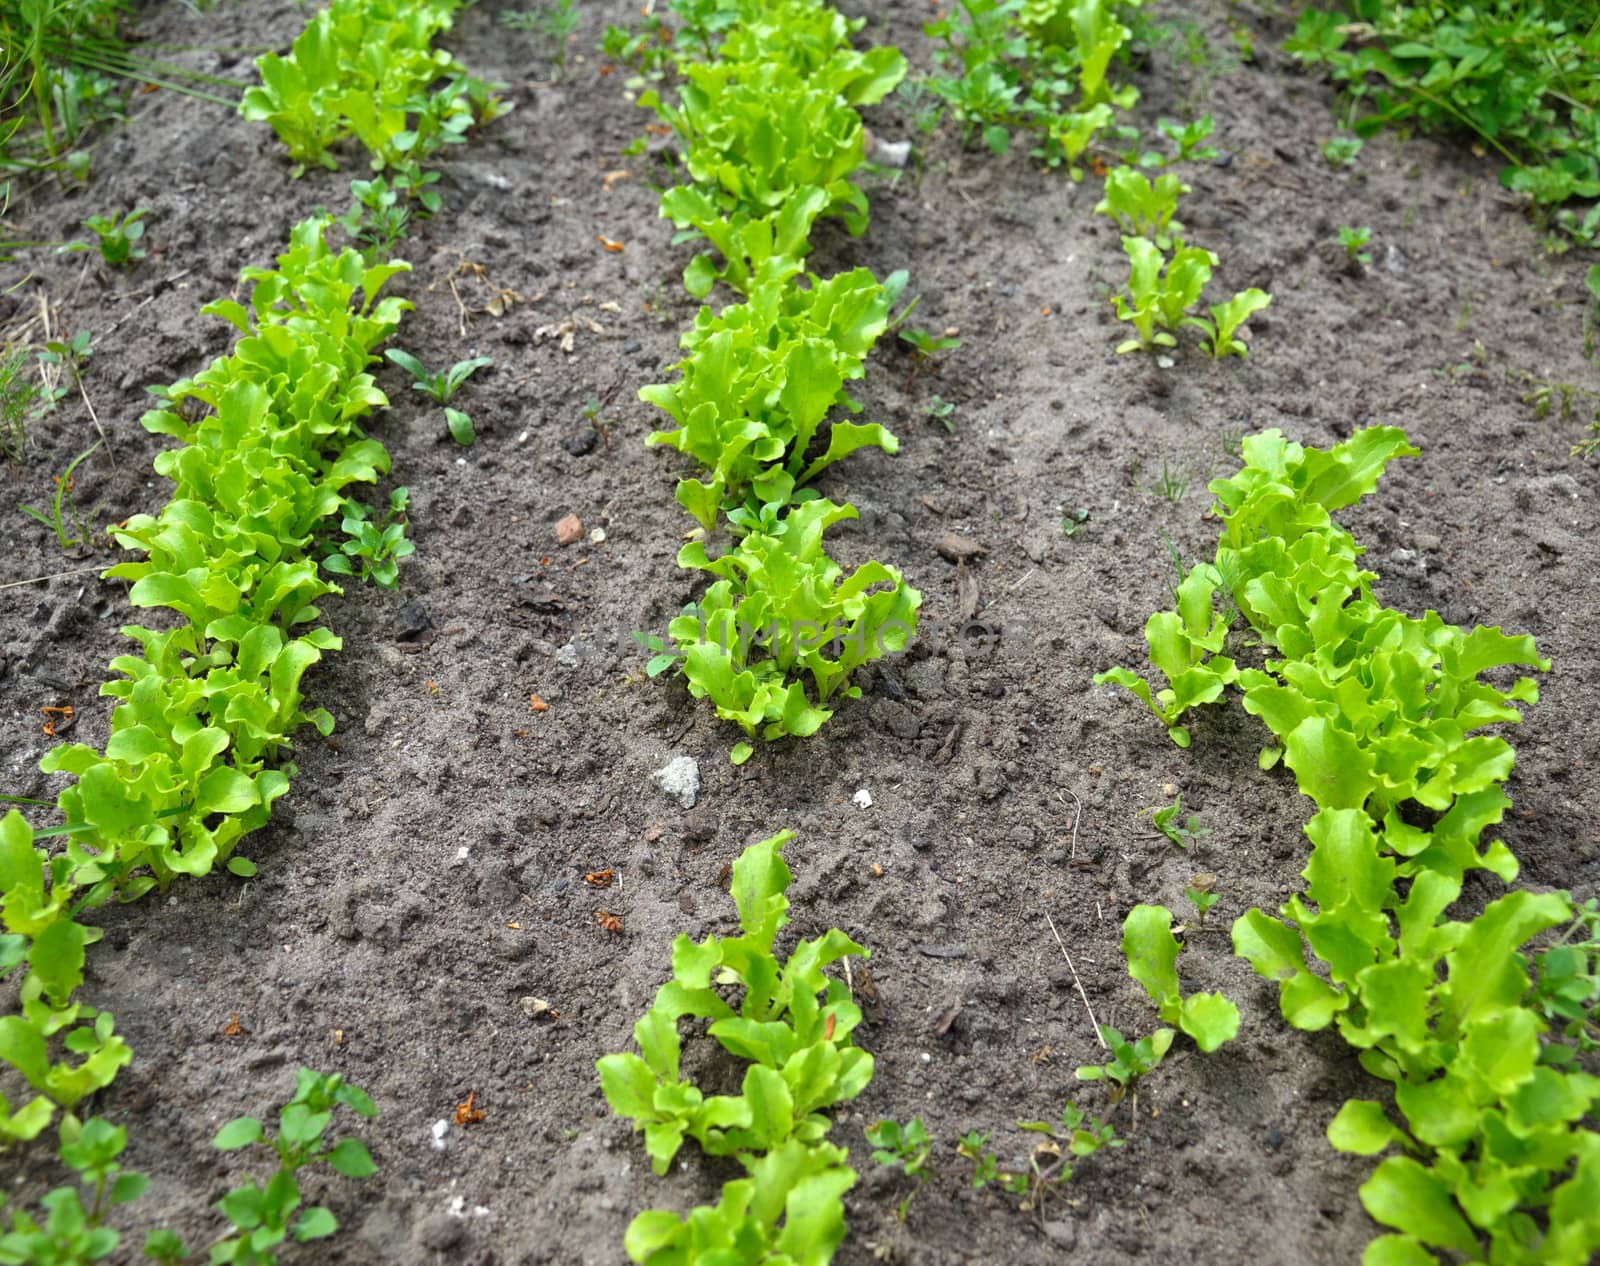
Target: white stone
{"x": 680, "y": 779}
{"x": 863, "y": 799}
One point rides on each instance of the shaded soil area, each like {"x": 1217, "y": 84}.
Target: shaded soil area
{"x": 425, "y": 875}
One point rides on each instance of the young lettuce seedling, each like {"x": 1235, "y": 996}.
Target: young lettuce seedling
{"x": 1221, "y": 328}
{"x": 443, "y": 385}
{"x": 1152, "y": 953}
{"x": 1162, "y": 291}
{"x": 1142, "y": 207}
{"x": 1354, "y": 241}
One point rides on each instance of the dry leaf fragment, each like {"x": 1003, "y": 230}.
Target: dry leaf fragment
{"x": 64, "y": 712}
{"x": 233, "y": 1028}
{"x": 608, "y": 921}
{"x": 613, "y": 246}
{"x": 598, "y": 878}
{"x": 466, "y": 1114}
{"x": 612, "y": 177}
{"x": 536, "y": 704}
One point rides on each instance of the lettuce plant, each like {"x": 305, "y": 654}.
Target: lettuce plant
{"x": 1160, "y": 291}
{"x": 792, "y": 1024}
{"x": 782, "y": 610}
{"x": 1375, "y": 714}
{"x": 1143, "y": 207}
{"x": 761, "y": 378}
{"x": 1152, "y": 953}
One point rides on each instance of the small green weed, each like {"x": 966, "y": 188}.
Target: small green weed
{"x": 1355, "y": 241}
{"x": 118, "y": 236}
{"x": 553, "y": 23}
{"x": 443, "y": 385}
{"x": 375, "y": 547}
{"x": 64, "y": 513}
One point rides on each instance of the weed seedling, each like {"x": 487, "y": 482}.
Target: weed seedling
{"x": 554, "y": 23}
{"x": 443, "y": 385}
{"x": 118, "y": 236}
{"x": 903, "y": 1147}
{"x": 1073, "y": 521}
{"x": 376, "y": 547}
{"x": 1566, "y": 988}
{"x": 1174, "y": 481}
{"x": 1341, "y": 151}
{"x": 986, "y": 1166}
{"x": 63, "y": 512}
{"x": 1183, "y": 834}
{"x": 1128, "y": 1063}
{"x": 1201, "y": 894}
{"x": 1354, "y": 242}
{"x": 461, "y": 428}
{"x": 940, "y": 410}
{"x": 260, "y": 1215}
{"x": 19, "y": 400}
{"x": 63, "y": 358}
{"x": 602, "y": 428}
{"x": 925, "y": 347}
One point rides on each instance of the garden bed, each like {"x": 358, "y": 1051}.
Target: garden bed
{"x": 425, "y": 877}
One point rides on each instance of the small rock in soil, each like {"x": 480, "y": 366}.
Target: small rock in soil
{"x": 862, "y": 799}
{"x": 680, "y": 779}
{"x": 942, "y": 951}
{"x": 440, "y": 1232}
{"x": 956, "y": 548}
{"x": 1061, "y": 1234}
{"x": 411, "y": 622}
{"x": 569, "y": 530}
{"x": 580, "y": 444}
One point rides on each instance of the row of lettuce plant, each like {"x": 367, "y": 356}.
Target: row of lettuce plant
{"x": 793, "y": 1024}
{"x": 271, "y": 444}
{"x": 770, "y": 136}
{"x": 1376, "y": 713}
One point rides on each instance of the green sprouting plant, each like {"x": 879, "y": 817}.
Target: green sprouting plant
{"x": 648, "y": 50}
{"x": 1128, "y": 1063}
{"x": 1174, "y": 481}
{"x": 782, "y": 611}
{"x": 800, "y": 1060}
{"x": 1183, "y": 833}
{"x": 1514, "y": 75}
{"x": 377, "y": 219}
{"x": 986, "y": 1171}
{"x": 19, "y": 402}
{"x": 1142, "y": 206}
{"x": 926, "y": 347}
{"x": 261, "y": 1214}
{"x": 1190, "y": 139}
{"x": 443, "y": 385}
{"x": 64, "y": 518}
{"x": 376, "y": 547}
{"x": 460, "y": 427}
{"x": 62, "y": 358}
{"x": 1152, "y": 953}
{"x": 1374, "y": 712}
{"x": 1341, "y": 151}
{"x": 924, "y": 111}
{"x": 1566, "y": 986}
{"x": 1222, "y": 328}
{"x": 1074, "y": 521}
{"x": 1354, "y": 241}
{"x": 1202, "y": 895}
{"x": 940, "y": 409}
{"x": 553, "y": 23}
{"x": 1162, "y": 291}
{"x": 118, "y": 236}
{"x": 761, "y": 378}
{"x": 74, "y": 1232}
{"x": 904, "y": 1147}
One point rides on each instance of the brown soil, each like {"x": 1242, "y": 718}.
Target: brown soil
{"x": 425, "y": 874}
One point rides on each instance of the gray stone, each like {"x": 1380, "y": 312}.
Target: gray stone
{"x": 680, "y": 779}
